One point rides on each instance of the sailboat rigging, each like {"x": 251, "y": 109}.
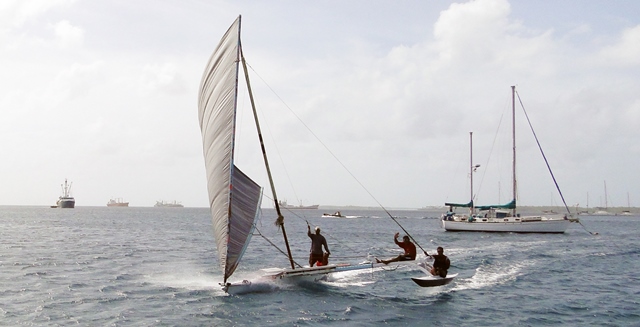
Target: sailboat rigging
{"x": 503, "y": 217}
{"x": 234, "y": 198}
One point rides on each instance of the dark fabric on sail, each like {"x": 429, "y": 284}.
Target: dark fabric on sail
{"x": 510, "y": 205}
{"x": 460, "y": 205}
{"x": 246, "y": 196}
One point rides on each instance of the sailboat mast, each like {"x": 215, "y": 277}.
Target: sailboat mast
{"x": 606, "y": 202}
{"x": 628, "y": 202}
{"x": 513, "y": 137}
{"x": 472, "y": 209}
{"x": 280, "y": 220}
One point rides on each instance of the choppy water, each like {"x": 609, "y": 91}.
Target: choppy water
{"x": 157, "y": 267}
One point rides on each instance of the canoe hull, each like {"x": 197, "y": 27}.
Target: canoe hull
{"x": 432, "y": 281}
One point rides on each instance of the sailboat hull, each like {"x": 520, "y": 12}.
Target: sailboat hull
{"x": 543, "y": 225}
{"x": 274, "y": 276}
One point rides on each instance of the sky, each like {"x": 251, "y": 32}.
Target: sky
{"x": 362, "y": 103}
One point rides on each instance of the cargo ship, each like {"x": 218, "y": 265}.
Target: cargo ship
{"x": 117, "y": 203}
{"x": 66, "y": 200}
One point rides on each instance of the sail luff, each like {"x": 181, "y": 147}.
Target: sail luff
{"x": 234, "y": 199}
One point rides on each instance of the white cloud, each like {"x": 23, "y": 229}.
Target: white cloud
{"x": 68, "y": 35}
{"x": 164, "y": 77}
{"x": 626, "y": 51}
{"x": 472, "y": 29}
{"x": 15, "y": 13}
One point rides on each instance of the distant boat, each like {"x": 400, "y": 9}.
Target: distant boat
{"x": 117, "y": 203}
{"x": 336, "y": 214}
{"x": 502, "y": 217}
{"x": 285, "y": 205}
{"x": 65, "y": 200}
{"x": 173, "y": 204}
{"x": 604, "y": 211}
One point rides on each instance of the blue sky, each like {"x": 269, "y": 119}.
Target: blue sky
{"x": 104, "y": 93}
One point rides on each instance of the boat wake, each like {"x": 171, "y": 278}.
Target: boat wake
{"x": 491, "y": 275}
{"x": 349, "y": 278}
{"x": 191, "y": 282}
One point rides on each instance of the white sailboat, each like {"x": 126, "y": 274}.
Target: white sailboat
{"x": 501, "y": 218}
{"x": 604, "y": 211}
{"x": 234, "y": 198}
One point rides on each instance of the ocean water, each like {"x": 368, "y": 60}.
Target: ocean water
{"x": 99, "y": 266}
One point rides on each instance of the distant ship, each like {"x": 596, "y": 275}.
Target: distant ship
{"x": 66, "y": 200}
{"x": 285, "y": 205}
{"x": 173, "y": 204}
{"x": 117, "y": 203}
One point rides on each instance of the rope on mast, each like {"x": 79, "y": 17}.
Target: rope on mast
{"x": 543, "y": 155}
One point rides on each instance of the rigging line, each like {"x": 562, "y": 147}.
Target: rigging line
{"x": 338, "y": 160}
{"x": 275, "y": 145}
{"x": 293, "y": 213}
{"x": 280, "y": 220}
{"x": 542, "y": 152}
{"x": 337, "y": 241}
{"x": 486, "y": 165}
{"x": 330, "y": 236}
{"x": 275, "y": 246}
{"x": 585, "y": 228}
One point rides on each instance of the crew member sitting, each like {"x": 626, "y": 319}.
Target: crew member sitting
{"x": 440, "y": 264}
{"x": 409, "y": 250}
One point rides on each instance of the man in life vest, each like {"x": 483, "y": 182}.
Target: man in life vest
{"x": 440, "y": 264}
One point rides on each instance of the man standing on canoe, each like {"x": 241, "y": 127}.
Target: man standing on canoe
{"x": 409, "y": 250}
{"x": 317, "y": 242}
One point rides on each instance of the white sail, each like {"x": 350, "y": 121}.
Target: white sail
{"x": 234, "y": 198}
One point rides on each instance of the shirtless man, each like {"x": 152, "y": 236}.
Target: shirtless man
{"x": 409, "y": 250}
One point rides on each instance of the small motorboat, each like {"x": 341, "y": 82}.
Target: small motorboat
{"x": 336, "y": 214}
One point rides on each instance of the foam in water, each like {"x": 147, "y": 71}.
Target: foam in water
{"x": 490, "y": 275}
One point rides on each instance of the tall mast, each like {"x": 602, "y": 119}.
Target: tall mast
{"x": 280, "y": 220}
{"x": 472, "y": 209}
{"x": 513, "y": 136}
{"x": 606, "y": 203}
